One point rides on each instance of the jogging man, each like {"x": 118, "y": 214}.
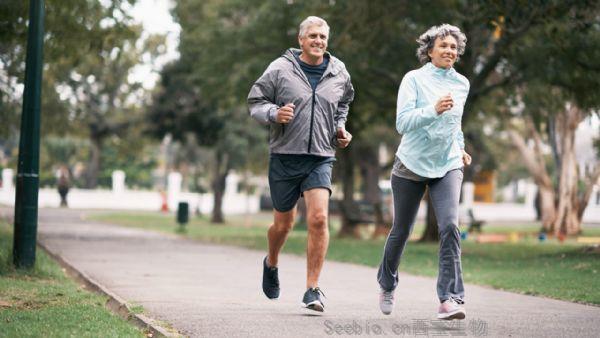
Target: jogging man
{"x": 304, "y": 97}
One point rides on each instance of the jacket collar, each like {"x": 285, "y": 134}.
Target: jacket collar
{"x": 334, "y": 66}
{"x": 430, "y": 67}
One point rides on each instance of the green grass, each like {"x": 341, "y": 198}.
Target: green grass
{"x": 44, "y": 302}
{"x": 565, "y": 271}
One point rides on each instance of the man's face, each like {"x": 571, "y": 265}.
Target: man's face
{"x": 444, "y": 52}
{"x": 314, "y": 42}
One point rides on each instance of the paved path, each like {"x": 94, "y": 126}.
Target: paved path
{"x": 212, "y": 290}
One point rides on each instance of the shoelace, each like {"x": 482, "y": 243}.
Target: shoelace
{"x": 318, "y": 290}
{"x": 274, "y": 281}
{"x": 388, "y": 296}
{"x": 457, "y": 300}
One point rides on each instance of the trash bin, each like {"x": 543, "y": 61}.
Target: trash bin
{"x": 183, "y": 212}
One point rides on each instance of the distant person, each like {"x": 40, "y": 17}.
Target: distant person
{"x": 303, "y": 97}
{"x": 431, "y": 154}
{"x": 537, "y": 206}
{"x": 63, "y": 183}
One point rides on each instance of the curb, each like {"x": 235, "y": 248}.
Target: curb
{"x": 115, "y": 303}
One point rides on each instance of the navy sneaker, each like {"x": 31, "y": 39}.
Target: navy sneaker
{"x": 270, "y": 282}
{"x": 312, "y": 299}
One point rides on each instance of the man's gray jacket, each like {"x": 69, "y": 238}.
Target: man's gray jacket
{"x": 317, "y": 114}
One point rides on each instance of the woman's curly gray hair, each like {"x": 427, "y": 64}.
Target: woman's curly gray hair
{"x": 427, "y": 40}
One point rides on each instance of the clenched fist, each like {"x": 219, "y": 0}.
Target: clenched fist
{"x": 285, "y": 114}
{"x": 444, "y": 103}
{"x": 343, "y": 137}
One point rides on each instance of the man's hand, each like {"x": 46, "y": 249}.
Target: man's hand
{"x": 285, "y": 114}
{"x": 444, "y": 103}
{"x": 466, "y": 158}
{"x": 343, "y": 137}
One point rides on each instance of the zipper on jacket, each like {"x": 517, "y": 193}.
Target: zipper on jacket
{"x": 300, "y": 73}
{"x": 282, "y": 124}
{"x": 312, "y": 120}
{"x": 312, "y": 111}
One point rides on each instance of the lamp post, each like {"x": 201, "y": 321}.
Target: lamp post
{"x": 26, "y": 200}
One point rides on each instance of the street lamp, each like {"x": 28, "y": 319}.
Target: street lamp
{"x": 26, "y": 200}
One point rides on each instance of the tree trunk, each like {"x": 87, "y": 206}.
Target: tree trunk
{"x": 547, "y": 206}
{"x": 589, "y": 187}
{"x": 218, "y": 185}
{"x": 348, "y": 229}
{"x": 564, "y": 216}
{"x": 534, "y": 161}
{"x": 369, "y": 167}
{"x": 567, "y": 221}
{"x": 431, "y": 233}
{"x": 93, "y": 169}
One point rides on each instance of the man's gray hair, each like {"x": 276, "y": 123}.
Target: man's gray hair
{"x": 312, "y": 21}
{"x": 427, "y": 40}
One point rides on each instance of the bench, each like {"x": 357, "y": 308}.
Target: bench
{"x": 363, "y": 213}
{"x": 474, "y": 224}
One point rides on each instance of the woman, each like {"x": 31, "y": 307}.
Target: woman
{"x": 431, "y": 154}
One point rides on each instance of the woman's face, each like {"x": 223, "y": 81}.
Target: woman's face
{"x": 444, "y": 52}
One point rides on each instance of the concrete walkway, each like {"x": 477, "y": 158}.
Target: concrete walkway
{"x": 210, "y": 290}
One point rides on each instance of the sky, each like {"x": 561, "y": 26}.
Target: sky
{"x": 156, "y": 19}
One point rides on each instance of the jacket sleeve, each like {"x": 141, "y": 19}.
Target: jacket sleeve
{"x": 408, "y": 117}
{"x": 460, "y": 137}
{"x": 341, "y": 115}
{"x": 261, "y": 99}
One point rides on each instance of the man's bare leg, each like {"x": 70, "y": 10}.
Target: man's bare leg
{"x": 278, "y": 232}
{"x": 317, "y": 207}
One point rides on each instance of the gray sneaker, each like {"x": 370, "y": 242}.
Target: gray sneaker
{"x": 312, "y": 300}
{"x": 270, "y": 281}
{"x": 386, "y": 301}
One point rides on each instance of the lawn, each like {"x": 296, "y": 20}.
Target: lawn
{"x": 44, "y": 302}
{"x": 567, "y": 271}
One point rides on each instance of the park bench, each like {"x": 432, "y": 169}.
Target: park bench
{"x": 474, "y": 224}
{"x": 363, "y": 213}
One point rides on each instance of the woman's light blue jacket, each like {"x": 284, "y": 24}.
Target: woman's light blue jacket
{"x": 431, "y": 144}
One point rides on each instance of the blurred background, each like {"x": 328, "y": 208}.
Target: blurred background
{"x": 144, "y": 106}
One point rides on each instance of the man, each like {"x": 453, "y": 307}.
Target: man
{"x": 304, "y": 97}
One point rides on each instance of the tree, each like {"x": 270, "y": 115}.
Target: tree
{"x": 204, "y": 91}
{"x": 90, "y": 48}
{"x": 492, "y": 61}
{"x": 560, "y": 64}
{"x": 71, "y": 28}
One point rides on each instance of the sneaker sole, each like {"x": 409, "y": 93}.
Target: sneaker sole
{"x": 453, "y": 315}
{"x": 314, "y": 306}
{"x": 387, "y": 313}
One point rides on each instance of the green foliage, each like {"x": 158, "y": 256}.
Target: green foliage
{"x": 203, "y": 93}
{"x": 73, "y": 30}
{"x": 58, "y": 151}
{"x": 90, "y": 49}
{"x": 136, "y": 160}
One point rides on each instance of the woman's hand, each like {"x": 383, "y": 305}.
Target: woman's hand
{"x": 444, "y": 103}
{"x": 466, "y": 158}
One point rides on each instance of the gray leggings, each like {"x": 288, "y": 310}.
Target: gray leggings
{"x": 445, "y": 194}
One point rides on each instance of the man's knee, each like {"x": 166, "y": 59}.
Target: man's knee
{"x": 283, "y": 225}
{"x": 318, "y": 220}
